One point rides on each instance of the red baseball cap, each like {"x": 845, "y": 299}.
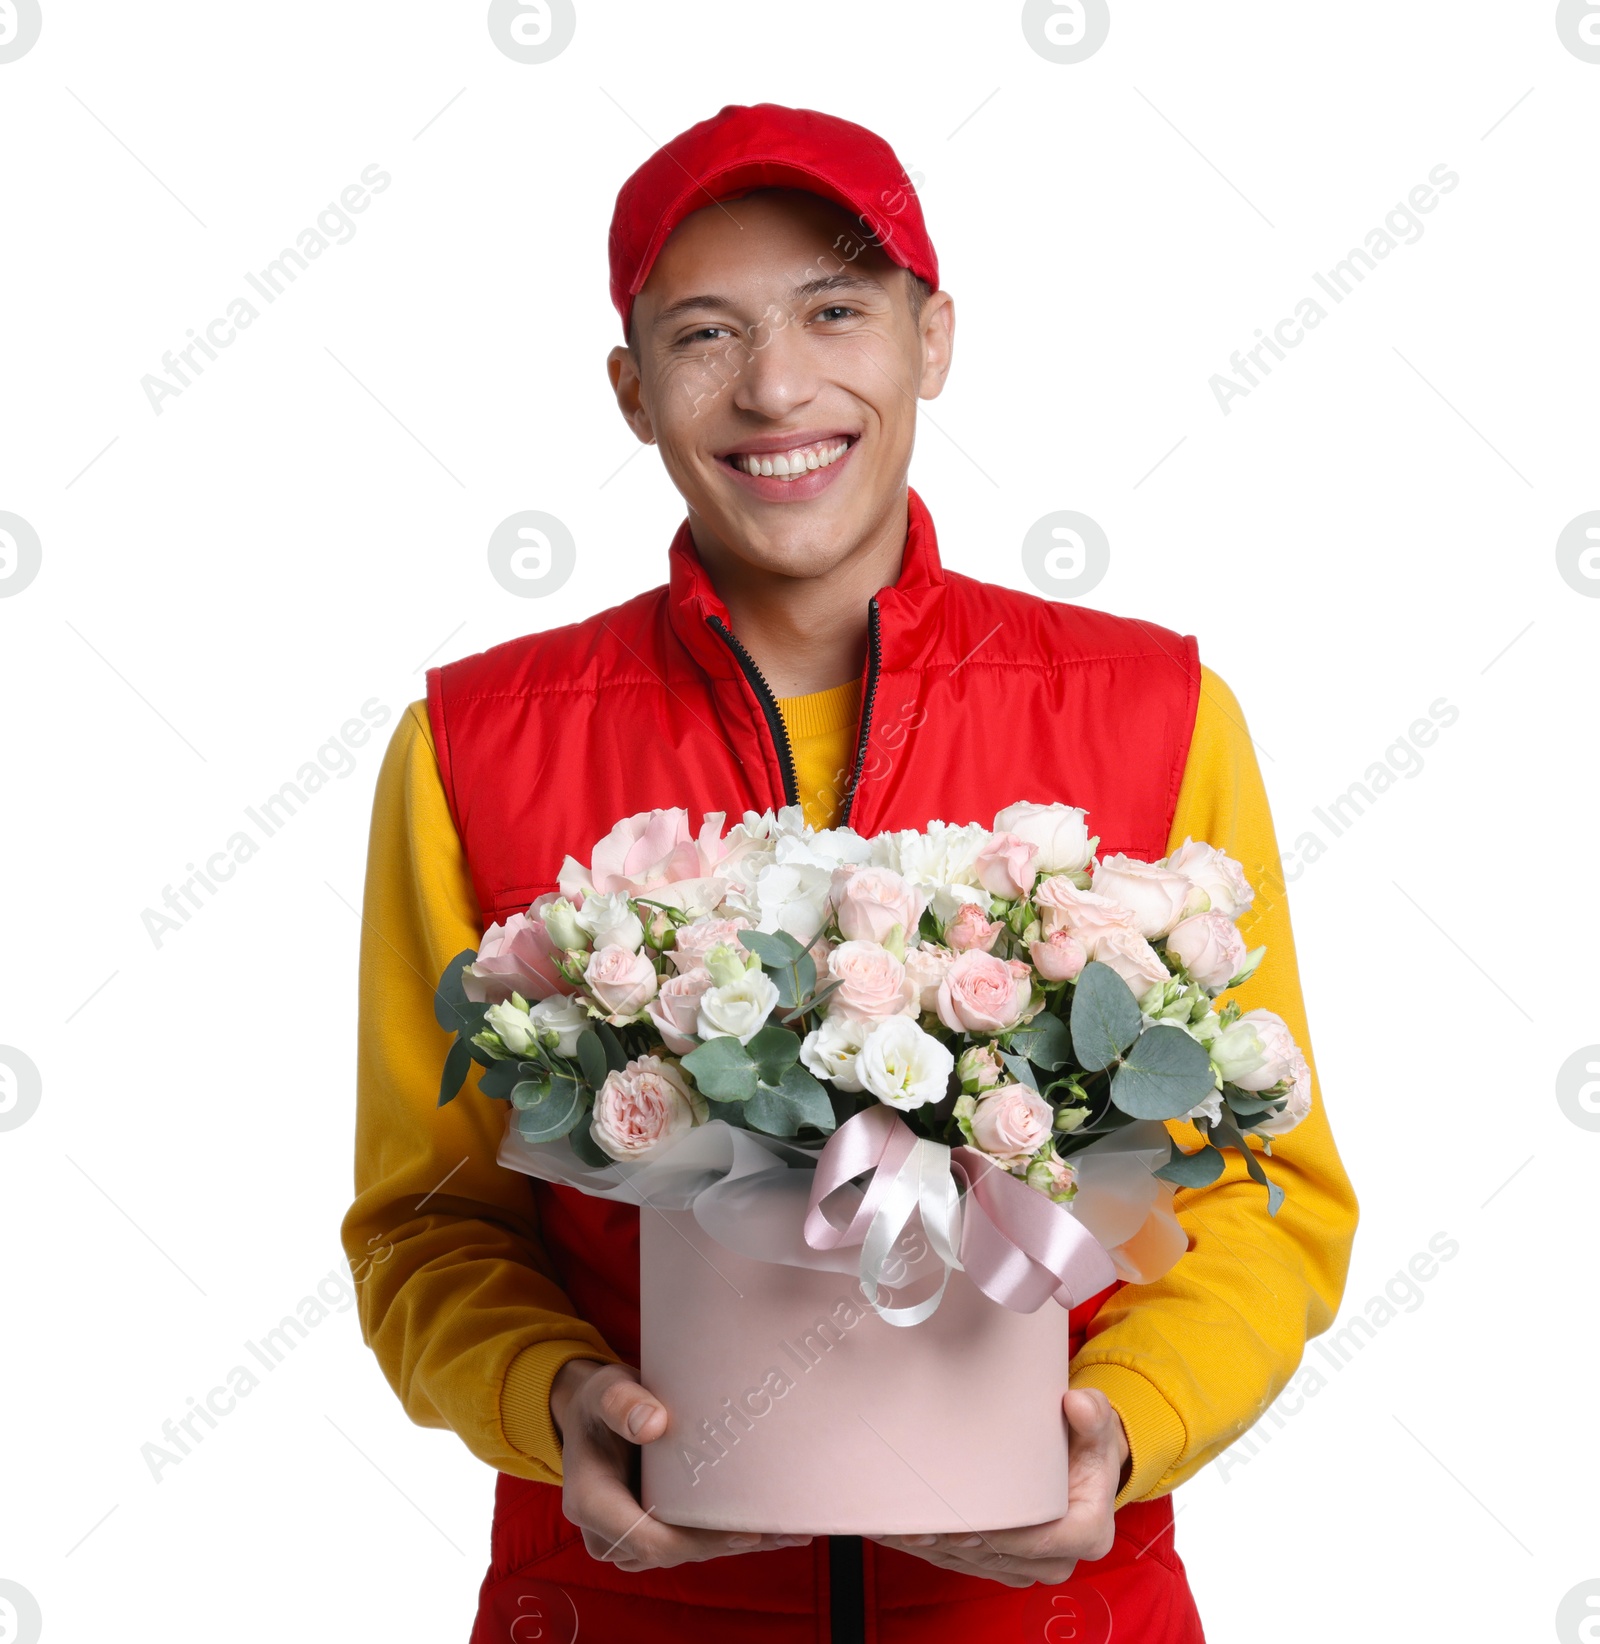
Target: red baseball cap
{"x": 765, "y": 145}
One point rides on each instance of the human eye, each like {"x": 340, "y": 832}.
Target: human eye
{"x": 835, "y": 312}
{"x": 701, "y": 335}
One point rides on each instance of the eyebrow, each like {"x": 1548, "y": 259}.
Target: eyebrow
{"x": 799, "y": 293}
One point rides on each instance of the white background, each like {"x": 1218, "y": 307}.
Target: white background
{"x": 1372, "y": 529}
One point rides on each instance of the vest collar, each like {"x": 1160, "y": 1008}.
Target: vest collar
{"x": 908, "y": 609}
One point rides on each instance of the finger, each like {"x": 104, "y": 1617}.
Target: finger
{"x": 632, "y": 1411}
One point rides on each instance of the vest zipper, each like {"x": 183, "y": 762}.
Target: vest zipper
{"x": 769, "y": 706}
{"x": 874, "y": 662}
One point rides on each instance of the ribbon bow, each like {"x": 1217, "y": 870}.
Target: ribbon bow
{"x": 1018, "y": 1247}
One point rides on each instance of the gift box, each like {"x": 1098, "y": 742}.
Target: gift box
{"x": 795, "y": 1408}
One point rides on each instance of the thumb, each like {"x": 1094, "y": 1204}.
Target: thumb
{"x": 631, "y": 1410}
{"x": 1089, "y": 1417}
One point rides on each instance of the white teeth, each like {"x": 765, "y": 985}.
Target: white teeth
{"x": 789, "y": 465}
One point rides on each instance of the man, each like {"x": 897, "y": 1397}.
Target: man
{"x": 779, "y": 295}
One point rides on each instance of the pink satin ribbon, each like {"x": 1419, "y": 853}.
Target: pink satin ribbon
{"x": 1018, "y": 1247}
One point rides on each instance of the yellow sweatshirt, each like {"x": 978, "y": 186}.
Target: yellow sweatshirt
{"x": 458, "y": 1301}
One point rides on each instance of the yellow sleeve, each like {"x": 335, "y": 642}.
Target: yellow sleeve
{"x": 456, "y": 1298}
{"x": 1191, "y": 1361}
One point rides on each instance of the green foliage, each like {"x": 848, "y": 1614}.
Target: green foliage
{"x": 1164, "y": 1074}
{"x": 1105, "y": 1016}
{"x": 1193, "y": 1169}
{"x": 559, "y": 1106}
{"x": 722, "y": 1068}
{"x": 796, "y": 1099}
{"x": 1045, "y": 1040}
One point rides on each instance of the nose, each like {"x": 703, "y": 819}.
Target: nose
{"x": 778, "y": 376}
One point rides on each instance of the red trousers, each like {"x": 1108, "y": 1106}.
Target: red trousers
{"x": 544, "y": 1588}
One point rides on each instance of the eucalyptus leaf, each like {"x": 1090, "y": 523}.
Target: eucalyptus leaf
{"x": 456, "y": 1064}
{"x": 528, "y": 1093}
{"x": 731, "y": 1113}
{"x": 1021, "y": 1069}
{"x": 450, "y": 995}
{"x": 811, "y": 1001}
{"x": 723, "y": 1068}
{"x": 1193, "y": 1169}
{"x": 1105, "y": 1016}
{"x": 592, "y": 1058}
{"x": 776, "y": 948}
{"x": 772, "y": 1050}
{"x": 1164, "y": 1074}
{"x": 616, "y": 1056}
{"x": 583, "y": 1144}
{"x": 556, "y": 1115}
{"x": 781, "y": 1109}
{"x": 498, "y": 1081}
{"x": 1229, "y": 1133}
{"x": 1045, "y": 1041}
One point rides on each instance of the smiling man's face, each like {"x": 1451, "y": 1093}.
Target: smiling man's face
{"x": 777, "y": 361}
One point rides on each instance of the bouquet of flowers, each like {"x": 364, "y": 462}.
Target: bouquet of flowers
{"x": 1000, "y": 988}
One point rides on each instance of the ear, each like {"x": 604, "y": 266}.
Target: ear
{"x": 623, "y": 369}
{"x": 936, "y": 335}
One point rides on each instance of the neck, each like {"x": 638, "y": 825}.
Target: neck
{"x": 806, "y": 633}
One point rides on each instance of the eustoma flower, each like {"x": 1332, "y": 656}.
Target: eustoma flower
{"x": 903, "y": 1066}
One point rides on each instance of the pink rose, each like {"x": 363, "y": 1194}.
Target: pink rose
{"x": 1059, "y": 957}
{"x": 641, "y": 851}
{"x": 1005, "y": 866}
{"x": 870, "y": 902}
{"x": 1218, "y": 875}
{"x": 621, "y": 981}
{"x": 983, "y": 994}
{"x": 1062, "y": 906}
{"x": 675, "y": 1010}
{"x": 1278, "y": 1042}
{"x": 695, "y": 941}
{"x": 1281, "y": 1123}
{"x": 516, "y": 957}
{"x": 925, "y": 968}
{"x": 1133, "y": 959}
{"x": 1209, "y": 947}
{"x": 874, "y": 987}
{"x": 969, "y": 930}
{"x": 1156, "y": 897}
{"x": 644, "y": 1107}
{"x": 1011, "y": 1120}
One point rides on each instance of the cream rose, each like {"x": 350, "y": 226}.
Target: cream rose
{"x": 1006, "y": 865}
{"x": 1209, "y": 947}
{"x": 1058, "y": 832}
{"x": 1059, "y": 957}
{"x": 1156, "y": 897}
{"x": 1062, "y": 906}
{"x": 925, "y": 968}
{"x": 1219, "y": 876}
{"x": 1299, "y": 1105}
{"x": 983, "y": 994}
{"x": 1133, "y": 959}
{"x": 1278, "y": 1050}
{"x": 675, "y": 1010}
{"x": 608, "y": 921}
{"x": 622, "y": 982}
{"x": 643, "y": 1108}
{"x": 1011, "y": 1121}
{"x": 564, "y": 1017}
{"x": 874, "y": 983}
{"x": 870, "y": 902}
{"x": 694, "y": 941}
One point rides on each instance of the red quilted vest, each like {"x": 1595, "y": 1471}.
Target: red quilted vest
{"x": 974, "y": 696}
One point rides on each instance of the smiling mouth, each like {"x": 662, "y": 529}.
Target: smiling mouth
{"x": 791, "y": 464}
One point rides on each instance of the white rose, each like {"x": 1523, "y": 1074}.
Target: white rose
{"x": 1219, "y": 876}
{"x": 566, "y": 1016}
{"x": 1059, "y": 831}
{"x": 1278, "y": 1050}
{"x": 830, "y": 1051}
{"x": 511, "y": 1021}
{"x": 561, "y": 923}
{"x": 739, "y": 1009}
{"x": 1237, "y": 1051}
{"x": 609, "y": 922}
{"x": 903, "y": 1066}
{"x": 1155, "y": 896}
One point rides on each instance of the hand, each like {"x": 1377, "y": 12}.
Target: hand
{"x": 602, "y": 1414}
{"x": 1097, "y": 1453}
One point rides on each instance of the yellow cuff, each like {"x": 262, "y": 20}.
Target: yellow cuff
{"x": 525, "y": 1416}
{"x": 1156, "y": 1434}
